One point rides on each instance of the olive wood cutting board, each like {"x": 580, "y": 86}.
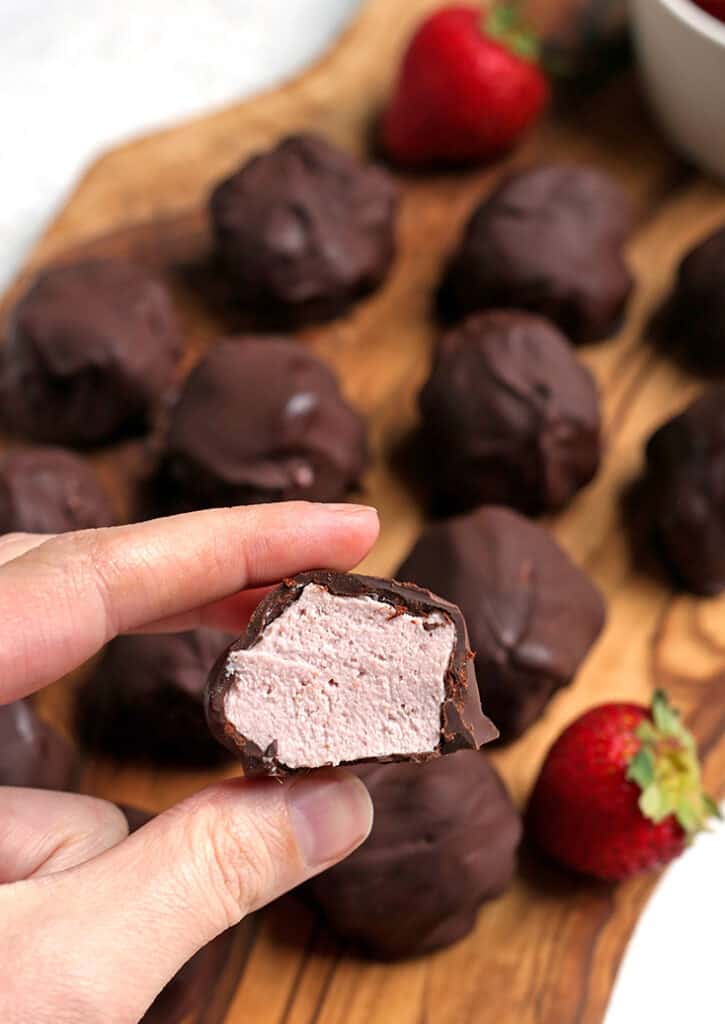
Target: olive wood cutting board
{"x": 547, "y": 952}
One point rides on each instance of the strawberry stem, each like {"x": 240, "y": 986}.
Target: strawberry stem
{"x": 667, "y": 770}
{"x": 505, "y": 23}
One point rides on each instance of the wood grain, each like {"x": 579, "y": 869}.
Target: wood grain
{"x": 547, "y": 951}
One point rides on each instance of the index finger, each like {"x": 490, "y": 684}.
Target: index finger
{"x": 61, "y": 601}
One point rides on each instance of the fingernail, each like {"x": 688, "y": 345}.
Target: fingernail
{"x": 348, "y": 509}
{"x": 331, "y": 814}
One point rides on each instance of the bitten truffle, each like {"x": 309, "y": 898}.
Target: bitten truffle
{"x": 32, "y": 753}
{"x": 145, "y": 699}
{"x": 49, "y": 490}
{"x": 91, "y": 349}
{"x": 509, "y": 416}
{"x": 443, "y": 842}
{"x": 336, "y": 668}
{"x": 532, "y": 615}
{"x": 304, "y": 230}
{"x": 684, "y": 492}
{"x": 262, "y": 419}
{"x": 548, "y": 240}
{"x": 695, "y": 318}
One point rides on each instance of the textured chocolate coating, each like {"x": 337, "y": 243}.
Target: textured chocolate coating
{"x": 443, "y": 841}
{"x": 532, "y": 615}
{"x": 549, "y": 240}
{"x": 304, "y": 230}
{"x": 49, "y": 490}
{"x": 463, "y": 724}
{"x": 684, "y": 492}
{"x": 144, "y": 700}
{"x": 262, "y": 419}
{"x": 91, "y": 348}
{"x": 509, "y": 416}
{"x": 696, "y": 314}
{"x": 32, "y": 753}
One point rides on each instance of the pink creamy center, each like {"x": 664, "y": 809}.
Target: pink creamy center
{"x": 339, "y": 678}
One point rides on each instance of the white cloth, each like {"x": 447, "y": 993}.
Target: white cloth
{"x": 77, "y": 76}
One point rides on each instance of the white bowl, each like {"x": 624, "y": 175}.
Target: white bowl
{"x": 681, "y": 52}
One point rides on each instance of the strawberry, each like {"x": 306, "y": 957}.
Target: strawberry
{"x": 468, "y": 87}
{"x": 714, "y": 7}
{"x": 619, "y": 791}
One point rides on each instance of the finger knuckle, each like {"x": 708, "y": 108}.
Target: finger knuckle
{"x": 241, "y": 863}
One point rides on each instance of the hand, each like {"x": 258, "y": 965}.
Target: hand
{"x": 94, "y": 922}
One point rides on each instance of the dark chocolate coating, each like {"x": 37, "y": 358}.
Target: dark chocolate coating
{"x": 304, "y": 230}
{"x": 262, "y": 419}
{"x": 91, "y": 349}
{"x": 548, "y": 239}
{"x": 463, "y": 724}
{"x": 444, "y": 841}
{"x": 145, "y": 699}
{"x": 696, "y": 313}
{"x": 532, "y": 615}
{"x": 684, "y": 492}
{"x": 49, "y": 490}
{"x": 509, "y": 416}
{"x": 32, "y": 753}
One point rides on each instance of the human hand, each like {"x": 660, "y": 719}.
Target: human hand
{"x": 94, "y": 922}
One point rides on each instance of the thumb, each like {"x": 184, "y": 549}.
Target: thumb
{"x": 141, "y": 909}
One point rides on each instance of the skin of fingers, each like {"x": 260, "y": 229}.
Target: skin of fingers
{"x": 169, "y": 888}
{"x": 13, "y": 545}
{"x": 42, "y": 832}
{"x": 63, "y": 599}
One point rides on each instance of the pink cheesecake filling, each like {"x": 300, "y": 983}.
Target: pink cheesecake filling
{"x": 335, "y": 679}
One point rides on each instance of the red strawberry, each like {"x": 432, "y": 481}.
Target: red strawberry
{"x": 469, "y": 86}
{"x": 619, "y": 791}
{"x": 714, "y": 7}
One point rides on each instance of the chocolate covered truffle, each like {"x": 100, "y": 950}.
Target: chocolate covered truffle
{"x": 32, "y": 753}
{"x": 695, "y": 318}
{"x": 336, "y": 668}
{"x": 509, "y": 416}
{"x": 304, "y": 230}
{"x": 145, "y": 699}
{"x": 444, "y": 841}
{"x": 684, "y": 492}
{"x": 262, "y": 419}
{"x": 549, "y": 240}
{"x": 91, "y": 348}
{"x": 49, "y": 490}
{"x": 532, "y": 615}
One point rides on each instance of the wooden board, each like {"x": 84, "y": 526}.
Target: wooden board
{"x": 547, "y": 951}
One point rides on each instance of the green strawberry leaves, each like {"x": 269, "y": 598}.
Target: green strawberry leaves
{"x": 504, "y": 23}
{"x": 667, "y": 770}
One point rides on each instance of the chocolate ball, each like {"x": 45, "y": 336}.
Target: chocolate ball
{"x": 32, "y": 753}
{"x": 443, "y": 842}
{"x": 684, "y": 492}
{"x": 91, "y": 349}
{"x": 304, "y": 229}
{"x": 49, "y": 490}
{"x": 145, "y": 699}
{"x": 509, "y": 416}
{"x": 532, "y": 615}
{"x": 695, "y": 319}
{"x": 549, "y": 240}
{"x": 262, "y": 419}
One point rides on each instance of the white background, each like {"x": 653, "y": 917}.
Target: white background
{"x": 79, "y": 75}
